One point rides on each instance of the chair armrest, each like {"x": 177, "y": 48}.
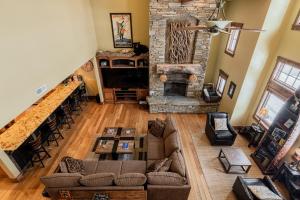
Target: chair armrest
{"x": 231, "y": 129}
{"x": 241, "y": 189}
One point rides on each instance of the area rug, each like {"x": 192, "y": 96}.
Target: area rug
{"x": 219, "y": 183}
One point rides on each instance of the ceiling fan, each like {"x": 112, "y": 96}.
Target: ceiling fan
{"x": 216, "y": 24}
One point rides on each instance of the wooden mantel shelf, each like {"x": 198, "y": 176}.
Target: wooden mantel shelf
{"x": 182, "y": 68}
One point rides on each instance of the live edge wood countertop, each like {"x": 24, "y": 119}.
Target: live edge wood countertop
{"x": 14, "y": 136}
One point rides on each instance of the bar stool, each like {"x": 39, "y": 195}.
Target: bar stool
{"x": 39, "y": 152}
{"x": 75, "y": 102}
{"x": 55, "y": 133}
{"x": 83, "y": 94}
{"x": 67, "y": 113}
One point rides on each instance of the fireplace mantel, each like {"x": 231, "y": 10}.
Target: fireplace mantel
{"x": 183, "y": 68}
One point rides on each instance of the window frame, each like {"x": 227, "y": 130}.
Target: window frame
{"x": 296, "y": 24}
{"x": 276, "y": 88}
{"x": 224, "y": 76}
{"x": 239, "y": 27}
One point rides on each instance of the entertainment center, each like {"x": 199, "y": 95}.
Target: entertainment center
{"x": 124, "y": 77}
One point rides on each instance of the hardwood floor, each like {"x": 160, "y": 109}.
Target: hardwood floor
{"x": 80, "y": 138}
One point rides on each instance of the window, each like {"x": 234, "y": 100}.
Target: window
{"x": 222, "y": 79}
{"x": 282, "y": 84}
{"x": 233, "y": 38}
{"x": 296, "y": 25}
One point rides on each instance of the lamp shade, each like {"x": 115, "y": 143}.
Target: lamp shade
{"x": 263, "y": 112}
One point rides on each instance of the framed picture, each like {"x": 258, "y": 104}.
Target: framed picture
{"x": 278, "y": 134}
{"x": 231, "y": 89}
{"x": 289, "y": 123}
{"x": 121, "y": 30}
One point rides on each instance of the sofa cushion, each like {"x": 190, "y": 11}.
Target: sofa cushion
{"x": 98, "y": 179}
{"x": 156, "y": 165}
{"x": 109, "y": 166}
{"x": 157, "y": 128}
{"x": 171, "y": 144}
{"x": 156, "y": 149}
{"x": 165, "y": 178}
{"x": 178, "y": 165}
{"x": 74, "y": 165}
{"x": 221, "y": 124}
{"x": 169, "y": 128}
{"x": 62, "y": 180}
{"x": 90, "y": 166}
{"x": 133, "y": 166}
{"x": 166, "y": 166}
{"x": 130, "y": 179}
{"x": 222, "y": 135}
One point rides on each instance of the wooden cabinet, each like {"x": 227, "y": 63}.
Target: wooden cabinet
{"x": 109, "y": 96}
{"x": 118, "y": 95}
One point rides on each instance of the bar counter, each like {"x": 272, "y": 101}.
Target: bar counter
{"x": 24, "y": 127}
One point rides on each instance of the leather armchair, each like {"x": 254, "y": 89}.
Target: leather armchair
{"x": 219, "y": 137}
{"x": 240, "y": 187}
{"x": 209, "y": 94}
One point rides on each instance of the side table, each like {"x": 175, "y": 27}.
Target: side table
{"x": 253, "y": 133}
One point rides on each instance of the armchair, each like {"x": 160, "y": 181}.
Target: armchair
{"x": 224, "y": 137}
{"x": 240, "y": 187}
{"x": 209, "y": 93}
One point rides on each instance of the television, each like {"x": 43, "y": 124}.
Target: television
{"x": 125, "y": 78}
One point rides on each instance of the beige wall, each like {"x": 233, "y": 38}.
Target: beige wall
{"x": 139, "y": 10}
{"x": 236, "y": 67}
{"x": 289, "y": 42}
{"x": 42, "y": 42}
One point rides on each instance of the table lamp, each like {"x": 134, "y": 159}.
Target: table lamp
{"x": 262, "y": 113}
{"x": 295, "y": 165}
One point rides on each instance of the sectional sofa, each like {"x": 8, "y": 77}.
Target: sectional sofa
{"x": 127, "y": 179}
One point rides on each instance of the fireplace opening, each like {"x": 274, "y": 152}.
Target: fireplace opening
{"x": 175, "y": 89}
{"x": 176, "y": 84}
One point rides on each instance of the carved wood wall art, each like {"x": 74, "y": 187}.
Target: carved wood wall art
{"x": 180, "y": 44}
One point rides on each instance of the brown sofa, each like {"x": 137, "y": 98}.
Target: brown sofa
{"x": 127, "y": 179}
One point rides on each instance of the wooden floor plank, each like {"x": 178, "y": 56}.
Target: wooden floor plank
{"x": 80, "y": 138}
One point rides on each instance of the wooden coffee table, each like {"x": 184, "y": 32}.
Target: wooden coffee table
{"x": 120, "y": 143}
{"x": 234, "y": 160}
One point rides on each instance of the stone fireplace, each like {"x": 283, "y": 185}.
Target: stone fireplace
{"x": 177, "y": 71}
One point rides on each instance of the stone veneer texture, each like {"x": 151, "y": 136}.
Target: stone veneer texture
{"x": 160, "y": 12}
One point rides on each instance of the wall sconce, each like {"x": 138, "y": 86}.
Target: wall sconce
{"x": 163, "y": 78}
{"x": 193, "y": 78}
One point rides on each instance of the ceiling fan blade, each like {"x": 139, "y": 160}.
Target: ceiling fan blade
{"x": 246, "y": 29}
{"x": 223, "y": 31}
{"x": 193, "y": 28}
{"x": 253, "y": 30}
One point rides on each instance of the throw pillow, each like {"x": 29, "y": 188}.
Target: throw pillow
{"x": 264, "y": 193}
{"x": 169, "y": 128}
{"x": 61, "y": 180}
{"x": 165, "y": 178}
{"x": 156, "y": 165}
{"x": 63, "y": 167}
{"x": 98, "y": 179}
{"x": 166, "y": 166}
{"x": 74, "y": 165}
{"x": 221, "y": 124}
{"x": 171, "y": 144}
{"x": 131, "y": 179}
{"x": 157, "y": 128}
{"x": 206, "y": 92}
{"x": 178, "y": 165}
